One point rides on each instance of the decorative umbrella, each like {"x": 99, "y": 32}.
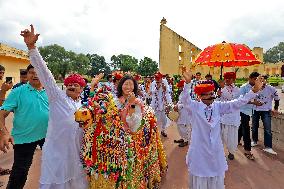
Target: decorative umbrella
{"x": 227, "y": 55}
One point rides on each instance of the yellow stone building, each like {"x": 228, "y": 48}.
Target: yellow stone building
{"x": 176, "y": 51}
{"x": 14, "y": 60}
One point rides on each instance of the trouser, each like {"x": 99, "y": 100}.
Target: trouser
{"x": 162, "y": 120}
{"x": 184, "y": 131}
{"x": 230, "y": 137}
{"x": 245, "y": 131}
{"x": 266, "y": 120}
{"x": 196, "y": 182}
{"x": 23, "y": 157}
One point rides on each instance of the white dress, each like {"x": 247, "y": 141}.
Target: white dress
{"x": 61, "y": 167}
{"x": 206, "y": 159}
{"x": 230, "y": 122}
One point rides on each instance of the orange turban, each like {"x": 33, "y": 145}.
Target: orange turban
{"x": 203, "y": 88}
{"x": 230, "y": 75}
{"x": 75, "y": 78}
{"x": 137, "y": 77}
{"x": 118, "y": 76}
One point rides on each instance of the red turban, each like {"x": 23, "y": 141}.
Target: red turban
{"x": 75, "y": 78}
{"x": 137, "y": 77}
{"x": 118, "y": 76}
{"x": 180, "y": 84}
{"x": 158, "y": 76}
{"x": 203, "y": 88}
{"x": 230, "y": 75}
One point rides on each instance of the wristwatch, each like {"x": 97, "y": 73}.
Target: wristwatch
{"x": 133, "y": 106}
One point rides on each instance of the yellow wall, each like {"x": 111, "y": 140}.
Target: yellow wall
{"x": 13, "y": 67}
{"x": 176, "y": 51}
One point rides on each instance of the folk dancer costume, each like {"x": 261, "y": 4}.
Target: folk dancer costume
{"x": 120, "y": 151}
{"x": 230, "y": 122}
{"x": 161, "y": 100}
{"x": 183, "y": 122}
{"x": 205, "y": 159}
{"x": 61, "y": 167}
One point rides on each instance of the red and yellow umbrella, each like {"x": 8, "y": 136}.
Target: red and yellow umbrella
{"x": 227, "y": 55}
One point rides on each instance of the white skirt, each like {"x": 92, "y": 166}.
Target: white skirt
{"x": 184, "y": 131}
{"x": 230, "y": 137}
{"x": 162, "y": 120}
{"x": 79, "y": 183}
{"x": 196, "y": 182}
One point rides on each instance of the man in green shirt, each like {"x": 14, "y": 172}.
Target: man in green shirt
{"x": 30, "y": 106}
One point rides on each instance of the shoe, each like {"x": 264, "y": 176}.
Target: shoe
{"x": 253, "y": 144}
{"x": 231, "y": 156}
{"x": 164, "y": 134}
{"x": 269, "y": 150}
{"x": 179, "y": 141}
{"x": 183, "y": 144}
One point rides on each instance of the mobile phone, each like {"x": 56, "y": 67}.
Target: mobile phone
{"x": 9, "y": 79}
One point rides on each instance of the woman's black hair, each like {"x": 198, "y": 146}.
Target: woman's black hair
{"x": 121, "y": 82}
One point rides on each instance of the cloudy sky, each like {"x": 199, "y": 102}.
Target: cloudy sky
{"x": 108, "y": 27}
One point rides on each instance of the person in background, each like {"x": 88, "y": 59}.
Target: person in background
{"x": 208, "y": 77}
{"x": 5, "y": 86}
{"x": 109, "y": 82}
{"x": 29, "y": 103}
{"x": 86, "y": 92}
{"x": 23, "y": 79}
{"x": 246, "y": 113}
{"x": 264, "y": 111}
{"x": 194, "y": 82}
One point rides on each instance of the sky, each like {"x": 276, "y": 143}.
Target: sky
{"x": 112, "y": 27}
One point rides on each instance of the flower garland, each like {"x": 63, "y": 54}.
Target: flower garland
{"x": 114, "y": 158}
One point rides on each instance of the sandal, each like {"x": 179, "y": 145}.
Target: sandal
{"x": 5, "y": 172}
{"x": 249, "y": 156}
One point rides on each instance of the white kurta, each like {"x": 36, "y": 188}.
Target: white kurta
{"x": 61, "y": 167}
{"x": 183, "y": 122}
{"x": 206, "y": 156}
{"x": 160, "y": 99}
{"x": 230, "y": 122}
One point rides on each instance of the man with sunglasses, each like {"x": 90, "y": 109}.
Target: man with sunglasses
{"x": 206, "y": 159}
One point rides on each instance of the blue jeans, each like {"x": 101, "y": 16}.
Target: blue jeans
{"x": 266, "y": 120}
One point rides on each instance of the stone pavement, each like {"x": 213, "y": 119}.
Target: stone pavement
{"x": 266, "y": 172}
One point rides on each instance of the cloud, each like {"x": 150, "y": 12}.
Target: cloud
{"x": 132, "y": 26}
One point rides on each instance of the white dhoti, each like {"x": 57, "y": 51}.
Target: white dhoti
{"x": 184, "y": 131}
{"x": 230, "y": 137}
{"x": 196, "y": 182}
{"x": 162, "y": 120}
{"x": 71, "y": 184}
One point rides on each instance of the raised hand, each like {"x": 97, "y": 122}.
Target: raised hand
{"x": 258, "y": 84}
{"x": 97, "y": 79}
{"x": 131, "y": 98}
{"x": 187, "y": 75}
{"x": 30, "y": 37}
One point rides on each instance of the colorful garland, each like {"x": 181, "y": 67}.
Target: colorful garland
{"x": 114, "y": 158}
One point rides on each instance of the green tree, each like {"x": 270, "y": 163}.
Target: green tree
{"x": 98, "y": 65}
{"x": 124, "y": 62}
{"x": 274, "y": 54}
{"x": 147, "y": 66}
{"x": 62, "y": 62}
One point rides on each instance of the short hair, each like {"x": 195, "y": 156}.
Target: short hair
{"x": 23, "y": 72}
{"x": 2, "y": 68}
{"x": 253, "y": 75}
{"x": 29, "y": 67}
{"x": 108, "y": 76}
{"x": 121, "y": 82}
{"x": 208, "y": 75}
{"x": 198, "y": 73}
{"x": 265, "y": 77}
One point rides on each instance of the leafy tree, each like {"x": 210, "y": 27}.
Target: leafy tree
{"x": 124, "y": 62}
{"x": 147, "y": 66}
{"x": 62, "y": 62}
{"x": 98, "y": 65}
{"x": 274, "y": 54}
